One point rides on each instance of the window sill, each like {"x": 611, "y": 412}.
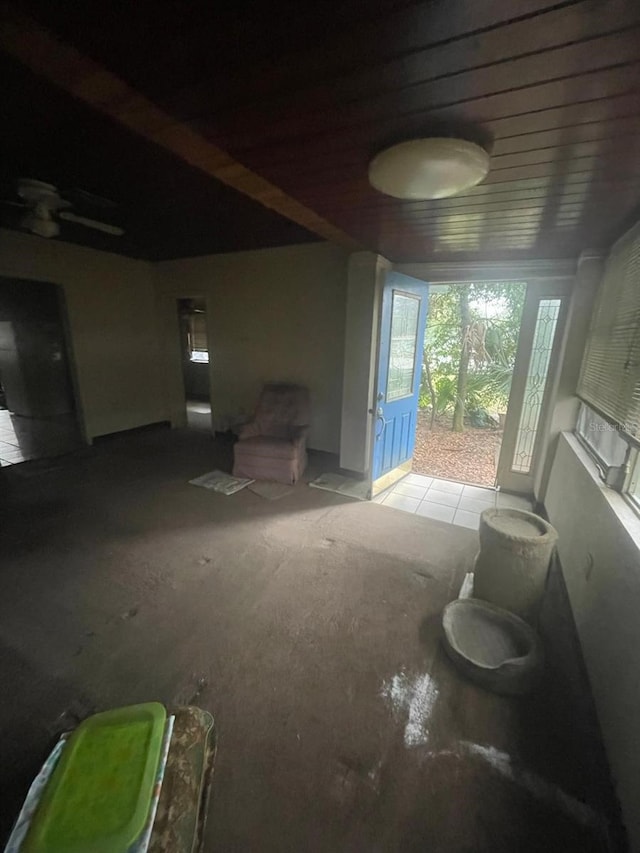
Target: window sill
{"x": 625, "y": 513}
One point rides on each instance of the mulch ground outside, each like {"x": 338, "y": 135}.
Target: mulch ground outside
{"x": 469, "y": 457}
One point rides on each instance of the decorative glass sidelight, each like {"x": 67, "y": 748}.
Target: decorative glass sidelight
{"x": 405, "y": 312}
{"x": 543, "y": 338}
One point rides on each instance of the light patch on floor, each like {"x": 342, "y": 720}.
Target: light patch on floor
{"x": 342, "y": 485}
{"x": 199, "y": 415}
{"x": 198, "y": 408}
{"x": 417, "y": 695}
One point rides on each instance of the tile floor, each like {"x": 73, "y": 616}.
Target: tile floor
{"x": 199, "y": 415}
{"x": 10, "y": 451}
{"x": 24, "y": 438}
{"x": 446, "y": 500}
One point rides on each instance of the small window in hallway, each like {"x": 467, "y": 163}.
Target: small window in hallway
{"x": 197, "y": 337}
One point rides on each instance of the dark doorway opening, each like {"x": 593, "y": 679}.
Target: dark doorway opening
{"x": 37, "y": 406}
{"x": 194, "y": 349}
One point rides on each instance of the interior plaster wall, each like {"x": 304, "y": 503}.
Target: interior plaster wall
{"x": 112, "y": 324}
{"x": 272, "y": 314}
{"x": 599, "y": 548}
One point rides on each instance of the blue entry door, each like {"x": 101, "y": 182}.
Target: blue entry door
{"x": 402, "y": 325}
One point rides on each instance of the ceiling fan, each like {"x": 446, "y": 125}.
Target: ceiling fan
{"x": 44, "y": 206}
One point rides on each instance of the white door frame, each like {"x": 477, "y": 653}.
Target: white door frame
{"x": 545, "y": 279}
{"x": 366, "y": 272}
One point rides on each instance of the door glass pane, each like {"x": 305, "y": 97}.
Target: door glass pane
{"x": 405, "y": 310}
{"x": 543, "y": 336}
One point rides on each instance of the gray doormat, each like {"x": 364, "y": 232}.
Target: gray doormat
{"x": 342, "y": 485}
{"x": 218, "y": 481}
{"x": 270, "y": 490}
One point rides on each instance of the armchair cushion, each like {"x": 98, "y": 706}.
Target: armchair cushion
{"x": 268, "y": 445}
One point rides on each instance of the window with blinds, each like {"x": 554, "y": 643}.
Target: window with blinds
{"x": 610, "y": 374}
{"x": 197, "y": 338}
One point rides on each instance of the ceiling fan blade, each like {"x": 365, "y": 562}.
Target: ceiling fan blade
{"x": 79, "y": 197}
{"x": 14, "y": 203}
{"x": 114, "y": 230}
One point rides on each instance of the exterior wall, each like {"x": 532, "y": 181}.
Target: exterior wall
{"x": 273, "y": 314}
{"x": 599, "y": 548}
{"x": 112, "y": 324}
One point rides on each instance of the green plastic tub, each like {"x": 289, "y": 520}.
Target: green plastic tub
{"x": 99, "y": 795}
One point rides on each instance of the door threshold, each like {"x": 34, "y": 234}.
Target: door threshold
{"x": 456, "y": 504}
{"x": 391, "y": 478}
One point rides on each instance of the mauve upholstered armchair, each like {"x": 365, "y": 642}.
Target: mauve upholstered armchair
{"x": 274, "y": 445}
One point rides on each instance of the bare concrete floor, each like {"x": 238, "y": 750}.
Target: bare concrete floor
{"x": 310, "y": 628}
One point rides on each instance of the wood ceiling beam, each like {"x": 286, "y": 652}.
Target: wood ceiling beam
{"x": 35, "y": 47}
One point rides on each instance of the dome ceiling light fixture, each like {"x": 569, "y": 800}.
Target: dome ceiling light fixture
{"x": 435, "y": 167}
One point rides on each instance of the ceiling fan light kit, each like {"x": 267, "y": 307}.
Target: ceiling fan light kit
{"x": 429, "y": 168}
{"x": 42, "y": 226}
{"x": 42, "y": 202}
{"x": 39, "y": 193}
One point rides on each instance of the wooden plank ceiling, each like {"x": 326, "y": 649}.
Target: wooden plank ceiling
{"x": 304, "y": 95}
{"x": 168, "y": 209}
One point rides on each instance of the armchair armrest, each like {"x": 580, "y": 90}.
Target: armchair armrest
{"x": 299, "y": 433}
{"x": 248, "y": 431}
